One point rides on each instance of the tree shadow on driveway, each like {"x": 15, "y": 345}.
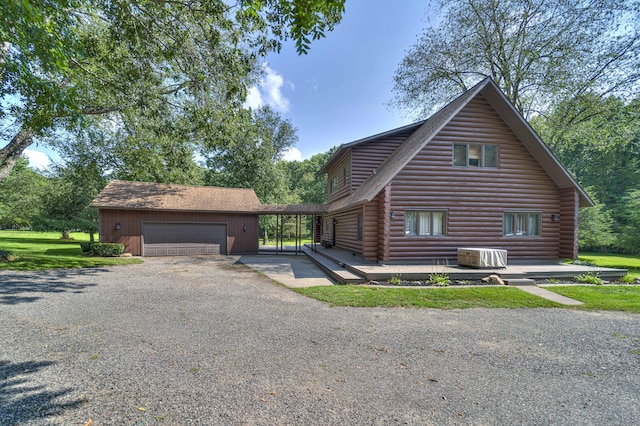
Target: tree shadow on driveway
{"x": 26, "y": 287}
{"x": 22, "y": 399}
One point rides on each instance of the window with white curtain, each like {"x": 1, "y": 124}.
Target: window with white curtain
{"x": 521, "y": 224}
{"x": 424, "y": 223}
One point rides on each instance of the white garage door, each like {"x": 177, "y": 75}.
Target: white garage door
{"x": 183, "y": 239}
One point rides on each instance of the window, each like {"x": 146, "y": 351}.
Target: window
{"x": 522, "y": 224}
{"x": 333, "y": 185}
{"x": 473, "y": 155}
{"x": 421, "y": 223}
{"x": 360, "y": 220}
{"x": 345, "y": 178}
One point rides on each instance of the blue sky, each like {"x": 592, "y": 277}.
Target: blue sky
{"x": 337, "y": 92}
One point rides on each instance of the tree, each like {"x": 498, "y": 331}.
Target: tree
{"x": 603, "y": 150}
{"x": 63, "y": 60}
{"x": 304, "y": 180}
{"x": 65, "y": 205}
{"x": 540, "y": 52}
{"x": 596, "y": 228}
{"x": 20, "y": 195}
{"x": 629, "y": 237}
{"x": 250, "y": 160}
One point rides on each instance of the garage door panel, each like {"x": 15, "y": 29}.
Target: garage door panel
{"x": 183, "y": 239}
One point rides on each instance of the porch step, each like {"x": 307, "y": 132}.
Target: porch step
{"x": 520, "y": 281}
{"x": 333, "y": 269}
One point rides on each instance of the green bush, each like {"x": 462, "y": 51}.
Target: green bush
{"x": 102, "y": 249}
{"x": 439, "y": 279}
{"x": 589, "y": 278}
{"x": 7, "y": 256}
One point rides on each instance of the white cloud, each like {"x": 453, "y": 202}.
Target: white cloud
{"x": 37, "y": 160}
{"x": 292, "y": 154}
{"x": 269, "y": 91}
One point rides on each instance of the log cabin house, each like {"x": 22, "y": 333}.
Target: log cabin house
{"x": 475, "y": 174}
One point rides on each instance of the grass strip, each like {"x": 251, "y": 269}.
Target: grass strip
{"x": 603, "y": 298}
{"x": 38, "y": 251}
{"x": 609, "y": 260}
{"x": 437, "y": 298}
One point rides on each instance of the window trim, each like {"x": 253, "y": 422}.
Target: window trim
{"x": 482, "y": 155}
{"x": 416, "y": 234}
{"x": 526, "y": 214}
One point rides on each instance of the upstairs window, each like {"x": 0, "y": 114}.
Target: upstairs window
{"x": 425, "y": 223}
{"x": 521, "y": 224}
{"x": 345, "y": 177}
{"x": 474, "y": 155}
{"x": 333, "y": 185}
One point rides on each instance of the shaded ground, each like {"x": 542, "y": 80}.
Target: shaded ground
{"x": 199, "y": 340}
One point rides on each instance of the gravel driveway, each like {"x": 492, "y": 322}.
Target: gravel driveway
{"x": 200, "y": 341}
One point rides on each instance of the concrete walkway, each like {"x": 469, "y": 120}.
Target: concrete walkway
{"x": 291, "y": 270}
{"x": 549, "y": 295}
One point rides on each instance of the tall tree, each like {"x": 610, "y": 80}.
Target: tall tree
{"x": 539, "y": 52}
{"x": 603, "y": 150}
{"x": 250, "y": 160}
{"x": 20, "y": 195}
{"x": 62, "y": 60}
{"x": 65, "y": 205}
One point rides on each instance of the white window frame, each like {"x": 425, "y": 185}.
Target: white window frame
{"x": 421, "y": 223}
{"x": 520, "y": 224}
{"x": 483, "y": 156}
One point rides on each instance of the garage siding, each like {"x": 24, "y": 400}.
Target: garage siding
{"x": 241, "y": 229}
{"x": 183, "y": 239}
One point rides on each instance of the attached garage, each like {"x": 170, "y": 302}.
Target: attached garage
{"x": 183, "y": 239}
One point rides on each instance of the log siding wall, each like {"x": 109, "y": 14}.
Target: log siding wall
{"x": 368, "y": 157}
{"x": 474, "y": 198}
{"x": 346, "y": 229}
{"x": 569, "y": 223}
{"x": 238, "y": 241}
{"x": 344, "y": 188}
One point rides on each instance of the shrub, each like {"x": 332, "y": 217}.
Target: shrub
{"x": 627, "y": 279}
{"x": 396, "y": 279}
{"x": 588, "y": 278}
{"x": 439, "y": 279}
{"x": 102, "y": 249}
{"x": 7, "y": 256}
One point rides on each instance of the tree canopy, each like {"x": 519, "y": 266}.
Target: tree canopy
{"x": 132, "y": 61}
{"x": 540, "y": 52}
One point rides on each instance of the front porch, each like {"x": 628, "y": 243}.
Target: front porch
{"x": 347, "y": 268}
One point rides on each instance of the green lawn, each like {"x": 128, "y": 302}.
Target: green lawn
{"x": 606, "y": 298}
{"x": 439, "y": 298}
{"x": 610, "y": 298}
{"x": 286, "y": 242}
{"x": 607, "y": 260}
{"x": 45, "y": 250}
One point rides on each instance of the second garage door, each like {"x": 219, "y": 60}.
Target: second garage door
{"x": 183, "y": 239}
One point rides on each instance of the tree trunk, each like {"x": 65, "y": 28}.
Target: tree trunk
{"x": 264, "y": 239}
{"x": 91, "y": 237}
{"x": 9, "y": 154}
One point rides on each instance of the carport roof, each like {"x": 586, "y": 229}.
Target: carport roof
{"x": 293, "y": 209}
{"x": 119, "y": 194}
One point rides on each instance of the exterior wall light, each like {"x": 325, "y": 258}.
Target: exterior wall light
{"x": 393, "y": 214}
{"x": 554, "y": 217}
{"x": 118, "y": 226}
{"x": 244, "y": 227}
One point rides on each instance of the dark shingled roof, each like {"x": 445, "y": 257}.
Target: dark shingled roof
{"x": 119, "y": 194}
{"x": 292, "y": 209}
